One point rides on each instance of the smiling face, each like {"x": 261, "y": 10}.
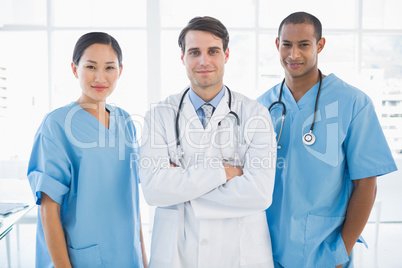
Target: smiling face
{"x": 97, "y": 71}
{"x": 299, "y": 49}
{"x": 205, "y": 61}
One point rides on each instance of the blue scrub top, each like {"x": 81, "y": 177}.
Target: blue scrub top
{"x": 92, "y": 172}
{"x": 313, "y": 184}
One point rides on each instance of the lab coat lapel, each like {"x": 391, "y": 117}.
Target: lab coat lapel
{"x": 200, "y": 141}
{"x": 192, "y": 120}
{"x": 191, "y": 130}
{"x": 220, "y": 112}
{"x": 189, "y": 115}
{"x": 210, "y": 131}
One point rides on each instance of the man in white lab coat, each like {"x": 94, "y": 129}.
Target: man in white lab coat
{"x": 207, "y": 162}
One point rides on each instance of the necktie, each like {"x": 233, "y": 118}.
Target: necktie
{"x": 207, "y": 108}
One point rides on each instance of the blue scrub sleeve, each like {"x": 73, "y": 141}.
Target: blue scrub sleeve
{"x": 48, "y": 170}
{"x": 135, "y": 155}
{"x": 135, "y": 166}
{"x": 367, "y": 150}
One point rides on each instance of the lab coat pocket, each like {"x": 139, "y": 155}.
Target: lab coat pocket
{"x": 164, "y": 235}
{"x": 88, "y": 257}
{"x": 255, "y": 240}
{"x": 324, "y": 246}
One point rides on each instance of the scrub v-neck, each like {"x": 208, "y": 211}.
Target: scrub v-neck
{"x": 94, "y": 122}
{"x": 305, "y": 100}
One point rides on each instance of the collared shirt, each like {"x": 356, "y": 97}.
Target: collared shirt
{"x": 198, "y": 102}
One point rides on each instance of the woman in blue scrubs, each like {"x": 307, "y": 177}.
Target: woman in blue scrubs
{"x": 82, "y": 170}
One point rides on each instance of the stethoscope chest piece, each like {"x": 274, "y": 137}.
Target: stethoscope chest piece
{"x": 309, "y": 138}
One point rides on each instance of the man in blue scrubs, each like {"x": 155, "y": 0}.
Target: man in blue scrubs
{"x": 324, "y": 189}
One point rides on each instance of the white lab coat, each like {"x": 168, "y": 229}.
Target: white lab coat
{"x": 202, "y": 220}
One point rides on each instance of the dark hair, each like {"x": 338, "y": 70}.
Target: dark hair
{"x": 206, "y": 24}
{"x": 95, "y": 38}
{"x": 302, "y": 17}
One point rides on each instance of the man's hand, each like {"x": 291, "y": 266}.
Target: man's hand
{"x": 359, "y": 208}
{"x": 232, "y": 172}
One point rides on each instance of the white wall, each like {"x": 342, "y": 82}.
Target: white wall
{"x": 390, "y": 194}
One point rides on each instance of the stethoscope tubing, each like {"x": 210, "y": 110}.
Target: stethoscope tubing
{"x": 177, "y": 130}
{"x": 279, "y": 101}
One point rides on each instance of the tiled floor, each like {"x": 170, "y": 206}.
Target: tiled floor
{"x": 387, "y": 255}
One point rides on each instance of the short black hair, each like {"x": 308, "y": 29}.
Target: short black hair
{"x": 206, "y": 24}
{"x": 95, "y": 38}
{"x": 303, "y": 17}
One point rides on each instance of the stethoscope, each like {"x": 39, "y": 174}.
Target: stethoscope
{"x": 180, "y": 152}
{"x": 308, "y": 138}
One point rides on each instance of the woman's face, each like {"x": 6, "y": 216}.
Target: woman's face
{"x": 98, "y": 71}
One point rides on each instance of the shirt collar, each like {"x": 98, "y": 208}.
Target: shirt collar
{"x": 198, "y": 102}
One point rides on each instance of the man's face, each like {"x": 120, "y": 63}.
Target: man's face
{"x": 205, "y": 60}
{"x": 298, "y": 49}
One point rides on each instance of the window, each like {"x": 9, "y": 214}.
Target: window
{"x": 23, "y": 12}
{"x": 382, "y": 14}
{"x": 235, "y": 13}
{"x": 364, "y": 47}
{"x": 27, "y": 90}
{"x": 99, "y": 13}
